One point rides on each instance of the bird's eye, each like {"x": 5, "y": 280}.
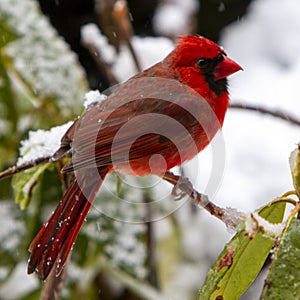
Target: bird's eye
{"x": 203, "y": 63}
{"x": 220, "y": 57}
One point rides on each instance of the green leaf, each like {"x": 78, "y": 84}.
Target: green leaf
{"x": 283, "y": 280}
{"x": 240, "y": 261}
{"x": 23, "y": 184}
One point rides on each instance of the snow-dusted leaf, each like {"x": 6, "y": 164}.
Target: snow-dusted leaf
{"x": 40, "y": 143}
{"x": 40, "y": 57}
{"x": 240, "y": 261}
{"x": 283, "y": 281}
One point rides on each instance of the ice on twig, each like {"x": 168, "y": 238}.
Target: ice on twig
{"x": 232, "y": 218}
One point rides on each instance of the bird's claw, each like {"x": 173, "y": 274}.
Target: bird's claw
{"x": 182, "y": 189}
{"x": 178, "y": 194}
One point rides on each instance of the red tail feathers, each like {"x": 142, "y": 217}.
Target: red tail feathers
{"x": 54, "y": 241}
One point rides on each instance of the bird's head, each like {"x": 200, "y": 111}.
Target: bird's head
{"x": 196, "y": 56}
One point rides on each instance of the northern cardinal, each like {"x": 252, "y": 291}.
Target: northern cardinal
{"x": 153, "y": 122}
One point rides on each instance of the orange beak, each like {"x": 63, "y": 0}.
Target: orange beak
{"x": 226, "y": 68}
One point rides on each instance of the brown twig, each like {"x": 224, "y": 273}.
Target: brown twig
{"x": 28, "y": 165}
{"x": 228, "y": 216}
{"x": 151, "y": 262}
{"x": 263, "y": 110}
{"x": 114, "y": 19}
{"x": 104, "y": 12}
{"x": 134, "y": 55}
{"x": 120, "y": 15}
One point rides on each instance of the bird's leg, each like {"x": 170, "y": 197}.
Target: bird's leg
{"x": 182, "y": 186}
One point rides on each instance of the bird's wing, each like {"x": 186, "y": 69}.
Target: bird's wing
{"x": 143, "y": 117}
{"x": 137, "y": 129}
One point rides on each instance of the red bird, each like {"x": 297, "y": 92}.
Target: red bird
{"x": 155, "y": 121}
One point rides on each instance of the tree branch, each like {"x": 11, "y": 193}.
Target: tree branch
{"x": 230, "y": 216}
{"x": 121, "y": 18}
{"x": 96, "y": 55}
{"x": 28, "y": 165}
{"x": 263, "y": 110}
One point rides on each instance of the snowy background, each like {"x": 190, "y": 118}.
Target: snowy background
{"x": 266, "y": 43}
